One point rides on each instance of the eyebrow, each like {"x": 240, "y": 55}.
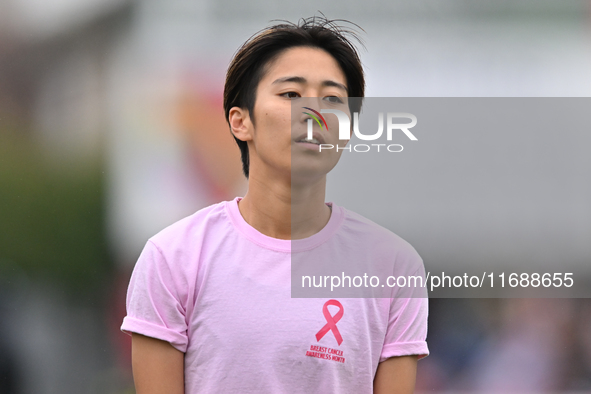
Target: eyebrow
{"x": 303, "y": 80}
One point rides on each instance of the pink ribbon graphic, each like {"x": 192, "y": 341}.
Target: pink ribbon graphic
{"x": 331, "y": 321}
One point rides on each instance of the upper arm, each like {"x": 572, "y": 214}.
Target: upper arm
{"x": 156, "y": 319}
{"x": 158, "y": 368}
{"x": 396, "y": 375}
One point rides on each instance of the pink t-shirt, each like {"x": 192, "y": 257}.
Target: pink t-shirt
{"x": 219, "y": 291}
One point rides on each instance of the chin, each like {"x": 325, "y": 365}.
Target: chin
{"x": 309, "y": 172}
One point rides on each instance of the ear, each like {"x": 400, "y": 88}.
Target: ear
{"x": 240, "y": 123}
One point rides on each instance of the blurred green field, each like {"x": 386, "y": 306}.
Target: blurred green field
{"x": 51, "y": 217}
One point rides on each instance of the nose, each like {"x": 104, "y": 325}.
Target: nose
{"x": 316, "y": 115}
{"x": 309, "y": 108}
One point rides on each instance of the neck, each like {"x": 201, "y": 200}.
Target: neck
{"x": 280, "y": 209}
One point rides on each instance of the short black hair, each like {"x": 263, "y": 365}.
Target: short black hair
{"x": 249, "y": 63}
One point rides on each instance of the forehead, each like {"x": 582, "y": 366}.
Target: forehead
{"x": 314, "y": 64}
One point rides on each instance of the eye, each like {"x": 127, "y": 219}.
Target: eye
{"x": 334, "y": 99}
{"x": 290, "y": 95}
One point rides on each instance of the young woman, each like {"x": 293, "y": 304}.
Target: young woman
{"x": 209, "y": 303}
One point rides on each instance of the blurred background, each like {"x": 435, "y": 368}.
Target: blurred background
{"x": 111, "y": 128}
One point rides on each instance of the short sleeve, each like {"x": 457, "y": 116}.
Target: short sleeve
{"x": 406, "y": 334}
{"x": 154, "y": 307}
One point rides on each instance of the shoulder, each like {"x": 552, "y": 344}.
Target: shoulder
{"x": 180, "y": 247}
{"x": 371, "y": 233}
{"x": 173, "y": 255}
{"x": 193, "y": 229}
{"x": 382, "y": 242}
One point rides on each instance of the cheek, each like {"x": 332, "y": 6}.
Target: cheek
{"x": 278, "y": 127}
{"x": 333, "y": 126}
{"x": 273, "y": 123}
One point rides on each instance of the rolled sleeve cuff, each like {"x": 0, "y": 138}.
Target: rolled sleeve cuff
{"x": 417, "y": 348}
{"x": 133, "y": 325}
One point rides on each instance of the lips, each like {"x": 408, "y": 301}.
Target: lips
{"x": 316, "y": 138}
